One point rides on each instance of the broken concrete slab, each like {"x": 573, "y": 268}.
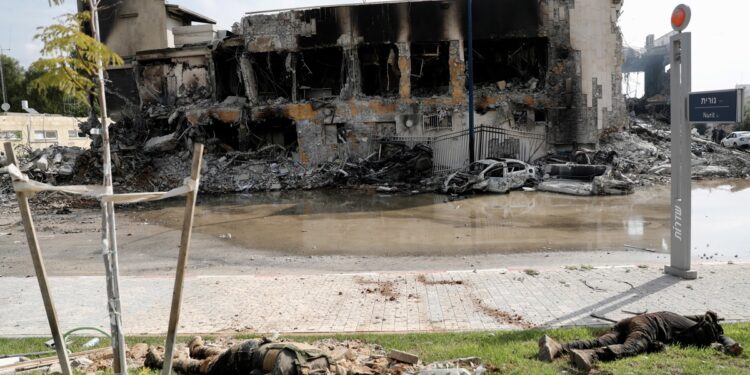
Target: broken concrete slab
{"x": 42, "y": 163}
{"x": 569, "y": 187}
{"x": 604, "y": 185}
{"x": 710, "y": 171}
{"x": 65, "y": 170}
{"x": 163, "y": 143}
{"x": 81, "y": 364}
{"x": 403, "y": 357}
{"x": 55, "y": 369}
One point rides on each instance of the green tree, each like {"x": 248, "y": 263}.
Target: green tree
{"x": 18, "y": 87}
{"x": 70, "y": 57}
{"x": 52, "y": 100}
{"x": 15, "y": 82}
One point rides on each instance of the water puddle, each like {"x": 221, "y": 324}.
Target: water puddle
{"x": 357, "y": 223}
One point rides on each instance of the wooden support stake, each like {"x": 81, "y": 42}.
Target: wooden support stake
{"x": 41, "y": 272}
{"x": 187, "y": 231}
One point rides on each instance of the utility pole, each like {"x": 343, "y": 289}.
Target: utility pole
{"x": 470, "y": 37}
{"x": 2, "y": 74}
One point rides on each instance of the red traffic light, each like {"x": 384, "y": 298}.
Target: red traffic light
{"x": 680, "y": 17}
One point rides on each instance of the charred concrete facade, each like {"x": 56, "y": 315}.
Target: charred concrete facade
{"x": 128, "y": 27}
{"x": 653, "y": 61}
{"x": 325, "y": 81}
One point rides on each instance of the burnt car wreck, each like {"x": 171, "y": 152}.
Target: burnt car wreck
{"x": 491, "y": 175}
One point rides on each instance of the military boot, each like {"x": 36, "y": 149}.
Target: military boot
{"x": 194, "y": 343}
{"x": 153, "y": 360}
{"x": 583, "y": 359}
{"x": 549, "y": 349}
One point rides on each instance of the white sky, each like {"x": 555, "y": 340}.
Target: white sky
{"x": 721, "y": 56}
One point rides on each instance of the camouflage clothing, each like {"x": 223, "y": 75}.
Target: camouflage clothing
{"x": 256, "y": 357}
{"x": 650, "y": 332}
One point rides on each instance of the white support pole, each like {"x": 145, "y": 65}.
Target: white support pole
{"x": 109, "y": 232}
{"x": 680, "y": 75}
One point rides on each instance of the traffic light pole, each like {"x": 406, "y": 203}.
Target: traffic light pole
{"x": 680, "y": 76}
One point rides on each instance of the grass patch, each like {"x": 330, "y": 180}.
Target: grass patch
{"x": 510, "y": 352}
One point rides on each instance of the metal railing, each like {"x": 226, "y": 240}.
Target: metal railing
{"x": 450, "y": 151}
{"x": 437, "y": 121}
{"x": 493, "y": 142}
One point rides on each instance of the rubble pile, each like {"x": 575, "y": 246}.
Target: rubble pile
{"x": 642, "y": 154}
{"x": 352, "y": 357}
{"x": 398, "y": 167}
{"x": 270, "y": 168}
{"x": 55, "y": 164}
{"x": 145, "y": 159}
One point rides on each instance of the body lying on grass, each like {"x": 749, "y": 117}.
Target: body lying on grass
{"x": 640, "y": 334}
{"x": 255, "y": 357}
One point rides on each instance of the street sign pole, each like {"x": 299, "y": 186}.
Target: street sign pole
{"x": 680, "y": 75}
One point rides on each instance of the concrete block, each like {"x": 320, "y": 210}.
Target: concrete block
{"x": 403, "y": 357}
{"x": 161, "y": 144}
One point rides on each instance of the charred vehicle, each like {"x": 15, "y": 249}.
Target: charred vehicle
{"x": 491, "y": 175}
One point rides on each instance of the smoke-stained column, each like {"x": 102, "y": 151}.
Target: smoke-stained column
{"x": 353, "y": 84}
{"x": 248, "y": 78}
{"x": 457, "y": 70}
{"x": 404, "y": 67}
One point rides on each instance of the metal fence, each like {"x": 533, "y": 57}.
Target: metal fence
{"x": 493, "y": 142}
{"x": 451, "y": 151}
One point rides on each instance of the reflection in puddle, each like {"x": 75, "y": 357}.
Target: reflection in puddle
{"x": 357, "y": 223}
{"x": 720, "y": 220}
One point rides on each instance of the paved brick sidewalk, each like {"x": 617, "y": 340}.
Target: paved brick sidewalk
{"x": 387, "y": 302}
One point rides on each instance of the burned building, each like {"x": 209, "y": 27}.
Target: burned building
{"x": 653, "y": 62}
{"x": 325, "y": 82}
{"x": 138, "y": 25}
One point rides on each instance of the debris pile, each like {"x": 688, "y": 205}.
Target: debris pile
{"x": 642, "y": 154}
{"x": 146, "y": 159}
{"x": 54, "y": 165}
{"x": 271, "y": 168}
{"x": 352, "y": 357}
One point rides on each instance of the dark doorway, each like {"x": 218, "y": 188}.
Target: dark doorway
{"x": 380, "y": 73}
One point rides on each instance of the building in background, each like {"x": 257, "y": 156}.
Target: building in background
{"x": 39, "y": 131}
{"x": 746, "y": 93}
{"x": 327, "y": 81}
{"x": 128, "y": 27}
